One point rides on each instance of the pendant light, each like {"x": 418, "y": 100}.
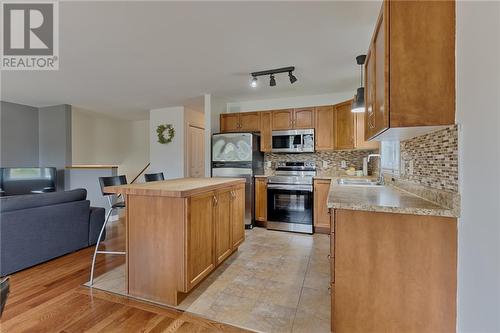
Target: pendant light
{"x": 358, "y": 104}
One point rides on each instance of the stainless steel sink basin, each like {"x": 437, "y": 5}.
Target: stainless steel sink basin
{"x": 358, "y": 182}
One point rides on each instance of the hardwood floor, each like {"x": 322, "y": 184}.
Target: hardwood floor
{"x": 50, "y": 298}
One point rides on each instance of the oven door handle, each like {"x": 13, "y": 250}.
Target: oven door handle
{"x": 306, "y": 188}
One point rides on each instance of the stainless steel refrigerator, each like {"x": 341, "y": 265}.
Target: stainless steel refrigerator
{"x": 238, "y": 155}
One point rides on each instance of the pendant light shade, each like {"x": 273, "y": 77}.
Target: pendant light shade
{"x": 358, "y": 104}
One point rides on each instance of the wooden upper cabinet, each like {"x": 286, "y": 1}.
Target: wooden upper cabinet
{"x": 344, "y": 126}
{"x": 265, "y": 131}
{"x": 229, "y": 122}
{"x": 240, "y": 122}
{"x": 200, "y": 238}
{"x": 359, "y": 137}
{"x": 324, "y": 128}
{"x": 261, "y": 199}
{"x": 250, "y": 121}
{"x": 237, "y": 216}
{"x": 412, "y": 71}
{"x": 303, "y": 118}
{"x": 282, "y": 119}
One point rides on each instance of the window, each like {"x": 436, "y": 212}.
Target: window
{"x": 390, "y": 157}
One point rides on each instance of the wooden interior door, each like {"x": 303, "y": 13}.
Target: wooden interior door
{"x": 200, "y": 237}
{"x": 344, "y": 126}
{"x": 196, "y": 151}
{"x": 261, "y": 199}
{"x": 321, "y": 211}
{"x": 324, "y": 129}
{"x": 223, "y": 225}
{"x": 229, "y": 122}
{"x": 265, "y": 131}
{"x": 303, "y": 118}
{"x": 282, "y": 119}
{"x": 249, "y": 121}
{"x": 238, "y": 216}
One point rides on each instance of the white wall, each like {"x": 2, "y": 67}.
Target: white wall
{"x": 214, "y": 106}
{"x": 289, "y": 102}
{"x": 167, "y": 158}
{"x": 478, "y": 109}
{"x": 101, "y": 139}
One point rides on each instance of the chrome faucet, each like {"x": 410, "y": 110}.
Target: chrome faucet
{"x": 380, "y": 179}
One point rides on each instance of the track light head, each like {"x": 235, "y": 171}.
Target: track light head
{"x": 253, "y": 84}
{"x": 292, "y": 77}
{"x": 272, "y": 81}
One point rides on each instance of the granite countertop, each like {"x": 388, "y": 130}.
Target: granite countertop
{"x": 384, "y": 198}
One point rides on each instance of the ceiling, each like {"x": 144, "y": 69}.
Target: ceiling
{"x": 124, "y": 58}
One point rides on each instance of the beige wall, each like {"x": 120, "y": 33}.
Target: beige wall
{"x": 100, "y": 139}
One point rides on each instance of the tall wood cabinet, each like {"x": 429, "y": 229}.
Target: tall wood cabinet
{"x": 410, "y": 74}
{"x": 344, "y": 126}
{"x": 261, "y": 199}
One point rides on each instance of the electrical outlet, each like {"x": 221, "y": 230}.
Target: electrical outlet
{"x": 325, "y": 164}
{"x": 343, "y": 164}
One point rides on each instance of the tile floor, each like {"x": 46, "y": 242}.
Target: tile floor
{"x": 276, "y": 282}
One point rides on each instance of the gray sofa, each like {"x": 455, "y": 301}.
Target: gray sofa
{"x": 39, "y": 227}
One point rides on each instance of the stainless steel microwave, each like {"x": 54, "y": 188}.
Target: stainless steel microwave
{"x": 293, "y": 141}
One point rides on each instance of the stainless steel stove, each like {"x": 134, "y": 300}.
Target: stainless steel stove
{"x": 290, "y": 197}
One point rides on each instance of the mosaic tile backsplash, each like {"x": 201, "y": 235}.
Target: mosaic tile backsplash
{"x": 435, "y": 159}
{"x": 352, "y": 157}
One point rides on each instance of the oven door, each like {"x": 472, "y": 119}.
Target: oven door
{"x": 290, "y": 207}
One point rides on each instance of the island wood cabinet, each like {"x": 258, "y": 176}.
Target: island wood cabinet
{"x": 293, "y": 119}
{"x": 240, "y": 122}
{"x": 392, "y": 272}
{"x": 261, "y": 199}
{"x": 321, "y": 211}
{"x": 410, "y": 74}
{"x": 178, "y": 231}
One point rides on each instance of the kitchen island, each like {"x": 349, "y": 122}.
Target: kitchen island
{"x": 178, "y": 231}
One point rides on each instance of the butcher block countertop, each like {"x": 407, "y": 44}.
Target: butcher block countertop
{"x": 180, "y": 187}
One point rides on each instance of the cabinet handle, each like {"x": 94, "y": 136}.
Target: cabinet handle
{"x": 329, "y": 256}
{"x": 330, "y": 290}
{"x": 216, "y": 201}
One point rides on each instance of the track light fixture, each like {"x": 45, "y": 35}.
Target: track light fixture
{"x": 271, "y": 73}
{"x": 272, "y": 81}
{"x": 253, "y": 84}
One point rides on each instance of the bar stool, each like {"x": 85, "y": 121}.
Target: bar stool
{"x": 103, "y": 182}
{"x": 153, "y": 177}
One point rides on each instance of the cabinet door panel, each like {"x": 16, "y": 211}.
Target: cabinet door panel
{"x": 200, "y": 238}
{"x": 303, "y": 118}
{"x": 344, "y": 126}
{"x": 282, "y": 119}
{"x": 265, "y": 132}
{"x": 223, "y": 226}
{"x": 238, "y": 216}
{"x": 370, "y": 94}
{"x": 229, "y": 122}
{"x": 324, "y": 128}
{"x": 361, "y": 143}
{"x": 381, "y": 109}
{"x": 250, "y": 121}
{"x": 321, "y": 211}
{"x": 261, "y": 199}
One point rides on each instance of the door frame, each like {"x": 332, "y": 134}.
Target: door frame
{"x": 186, "y": 151}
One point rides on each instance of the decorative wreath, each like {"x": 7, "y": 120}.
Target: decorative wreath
{"x": 160, "y": 130}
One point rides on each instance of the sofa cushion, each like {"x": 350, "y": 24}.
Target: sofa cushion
{"x": 18, "y": 202}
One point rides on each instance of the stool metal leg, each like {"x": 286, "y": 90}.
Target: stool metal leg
{"x": 96, "y": 250}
